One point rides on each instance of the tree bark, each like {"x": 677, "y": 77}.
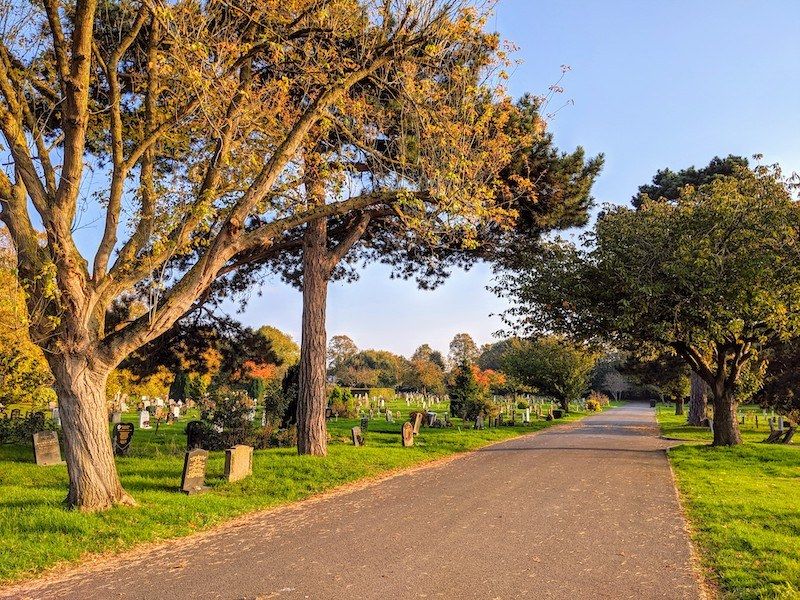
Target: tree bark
{"x": 697, "y": 404}
{"x": 311, "y": 429}
{"x": 678, "y": 404}
{"x": 93, "y": 480}
{"x": 726, "y": 425}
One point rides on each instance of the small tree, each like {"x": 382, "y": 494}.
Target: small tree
{"x": 713, "y": 275}
{"x": 554, "y": 366}
{"x": 465, "y": 393}
{"x": 463, "y": 349}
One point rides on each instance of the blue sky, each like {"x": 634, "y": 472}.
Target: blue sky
{"x": 654, "y": 84}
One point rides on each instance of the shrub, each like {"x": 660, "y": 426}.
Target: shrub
{"x": 596, "y": 401}
{"x": 523, "y": 404}
{"x": 20, "y": 431}
{"x": 342, "y": 402}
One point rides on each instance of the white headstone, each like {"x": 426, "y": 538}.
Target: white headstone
{"x": 144, "y": 420}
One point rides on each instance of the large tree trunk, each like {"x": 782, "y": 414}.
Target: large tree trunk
{"x": 726, "y": 425}
{"x": 93, "y": 480}
{"x": 311, "y": 430}
{"x": 678, "y": 404}
{"x": 697, "y": 405}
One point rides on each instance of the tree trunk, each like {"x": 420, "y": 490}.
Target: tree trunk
{"x": 679, "y": 405}
{"x": 93, "y": 480}
{"x": 311, "y": 430}
{"x": 697, "y": 404}
{"x": 726, "y": 425}
{"x": 564, "y": 405}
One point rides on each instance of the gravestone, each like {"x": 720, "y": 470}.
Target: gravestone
{"x": 123, "y": 435}
{"x": 358, "y": 438}
{"x": 56, "y": 416}
{"x": 328, "y": 413}
{"x": 116, "y": 417}
{"x": 46, "y": 448}
{"x": 194, "y": 435}
{"x": 364, "y": 423}
{"x": 144, "y": 419}
{"x": 431, "y": 419}
{"x": 417, "y": 422}
{"x": 557, "y": 413}
{"x": 238, "y": 462}
{"x": 389, "y": 416}
{"x": 479, "y": 422}
{"x": 194, "y": 472}
{"x": 408, "y": 435}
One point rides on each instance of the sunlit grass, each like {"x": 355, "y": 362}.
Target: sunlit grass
{"x": 743, "y": 504}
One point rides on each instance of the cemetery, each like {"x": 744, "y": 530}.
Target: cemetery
{"x": 399, "y": 298}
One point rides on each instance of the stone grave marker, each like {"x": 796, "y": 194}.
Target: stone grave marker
{"x": 194, "y": 435}
{"x": 408, "y": 435}
{"x": 431, "y": 418}
{"x": 364, "y": 423}
{"x": 238, "y": 462}
{"x": 144, "y": 419}
{"x": 194, "y": 472}
{"x": 56, "y": 416}
{"x": 46, "y": 448}
{"x": 116, "y": 417}
{"x": 123, "y": 435}
{"x": 417, "y": 422}
{"x": 479, "y": 422}
{"x": 389, "y": 416}
{"x": 358, "y": 438}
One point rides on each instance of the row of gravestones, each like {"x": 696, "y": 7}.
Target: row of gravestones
{"x": 408, "y": 432}
{"x": 238, "y": 460}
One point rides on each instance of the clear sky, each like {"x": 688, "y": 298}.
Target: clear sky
{"x": 654, "y": 84}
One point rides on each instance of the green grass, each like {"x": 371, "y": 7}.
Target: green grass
{"x": 743, "y": 505}
{"x": 37, "y": 533}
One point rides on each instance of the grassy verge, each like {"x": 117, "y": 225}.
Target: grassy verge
{"x": 743, "y": 504}
{"x": 36, "y": 533}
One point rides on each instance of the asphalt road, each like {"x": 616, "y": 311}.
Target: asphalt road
{"x": 587, "y": 510}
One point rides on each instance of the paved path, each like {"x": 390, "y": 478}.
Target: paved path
{"x": 580, "y": 511}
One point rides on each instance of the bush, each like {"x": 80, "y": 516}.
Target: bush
{"x": 20, "y": 431}
{"x": 596, "y": 401}
{"x": 342, "y": 402}
{"x": 522, "y": 405}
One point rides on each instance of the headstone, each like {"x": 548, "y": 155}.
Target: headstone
{"x": 364, "y": 423}
{"x": 408, "y": 435}
{"x": 479, "y": 422}
{"x": 176, "y": 411}
{"x": 527, "y": 417}
{"x": 144, "y": 419}
{"x": 46, "y": 448}
{"x": 328, "y": 412}
{"x": 417, "y": 422}
{"x": 116, "y": 417}
{"x": 389, "y": 416}
{"x": 431, "y": 419}
{"x": 194, "y": 471}
{"x": 56, "y": 416}
{"x": 358, "y": 438}
{"x": 238, "y": 462}
{"x": 194, "y": 435}
{"x": 122, "y": 437}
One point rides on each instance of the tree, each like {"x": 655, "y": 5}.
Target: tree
{"x": 281, "y": 345}
{"x": 554, "y": 366}
{"x": 664, "y": 371}
{"x": 467, "y": 397}
{"x": 616, "y": 383}
{"x": 714, "y": 276}
{"x": 491, "y": 355}
{"x": 463, "y": 349}
{"x": 200, "y": 119}
{"x": 340, "y": 350}
{"x": 698, "y": 400}
{"x": 426, "y": 353}
{"x": 781, "y": 389}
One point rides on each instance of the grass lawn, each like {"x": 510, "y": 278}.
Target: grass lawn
{"x": 36, "y": 532}
{"x": 743, "y": 505}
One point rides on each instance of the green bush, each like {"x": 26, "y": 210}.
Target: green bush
{"x": 523, "y": 404}
{"x": 342, "y": 402}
